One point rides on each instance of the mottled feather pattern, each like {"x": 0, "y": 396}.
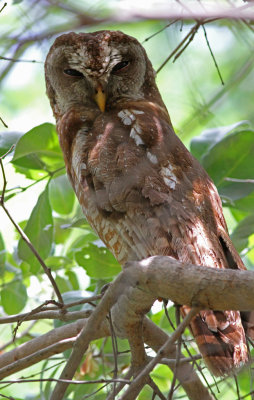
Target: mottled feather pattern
{"x": 139, "y": 187}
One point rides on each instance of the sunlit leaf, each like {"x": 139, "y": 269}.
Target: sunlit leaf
{"x": 97, "y": 261}
{"x": 63, "y": 284}
{"x": 229, "y": 160}
{"x": 39, "y": 229}
{"x": 61, "y": 195}
{"x": 14, "y": 297}
{"x": 73, "y": 279}
{"x": 7, "y": 140}
{"x": 244, "y": 229}
{"x": 203, "y": 143}
{"x": 58, "y": 262}
{"x": 39, "y": 149}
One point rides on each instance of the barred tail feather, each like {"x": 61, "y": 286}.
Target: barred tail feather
{"x": 223, "y": 351}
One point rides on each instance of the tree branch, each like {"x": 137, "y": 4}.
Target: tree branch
{"x": 129, "y": 297}
{"x": 195, "y": 11}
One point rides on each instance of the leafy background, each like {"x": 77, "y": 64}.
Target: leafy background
{"x": 215, "y": 121}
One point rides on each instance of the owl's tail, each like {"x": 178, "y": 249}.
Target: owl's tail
{"x": 221, "y": 340}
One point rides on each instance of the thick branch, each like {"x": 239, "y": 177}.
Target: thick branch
{"x": 129, "y": 297}
{"x": 194, "y": 11}
{"x": 192, "y": 285}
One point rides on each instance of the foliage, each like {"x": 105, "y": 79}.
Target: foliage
{"x": 56, "y": 227}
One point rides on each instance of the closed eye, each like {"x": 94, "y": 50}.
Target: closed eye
{"x": 120, "y": 66}
{"x": 72, "y": 72}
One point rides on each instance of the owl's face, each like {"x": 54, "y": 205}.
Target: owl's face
{"x": 96, "y": 70}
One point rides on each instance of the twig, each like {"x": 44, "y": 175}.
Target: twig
{"x": 156, "y": 390}
{"x": 23, "y": 235}
{"x": 115, "y": 351}
{"x": 160, "y": 30}
{"x": 74, "y": 382}
{"x": 213, "y": 57}
{"x": 23, "y": 334}
{"x": 31, "y": 313}
{"x": 96, "y": 391}
{"x": 237, "y": 387}
{"x": 47, "y": 313}
{"x": 18, "y": 60}
{"x": 140, "y": 380}
{"x": 191, "y": 357}
{"x": 7, "y": 397}
{"x": 5, "y": 4}
{"x": 178, "y": 354}
{"x": 193, "y": 33}
{"x": 23, "y": 189}
{"x": 4, "y": 124}
{"x": 120, "y": 386}
{"x": 239, "y": 180}
{"x": 190, "y": 33}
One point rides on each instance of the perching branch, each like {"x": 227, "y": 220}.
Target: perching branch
{"x": 136, "y": 288}
{"x": 129, "y": 298}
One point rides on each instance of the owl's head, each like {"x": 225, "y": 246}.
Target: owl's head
{"x": 98, "y": 69}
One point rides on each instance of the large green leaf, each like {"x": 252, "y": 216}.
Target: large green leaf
{"x": 245, "y": 204}
{"x": 39, "y": 229}
{"x": 203, "y": 143}
{"x": 232, "y": 158}
{"x": 39, "y": 149}
{"x": 14, "y": 297}
{"x": 97, "y": 261}
{"x": 8, "y": 139}
{"x": 244, "y": 229}
{"x": 61, "y": 195}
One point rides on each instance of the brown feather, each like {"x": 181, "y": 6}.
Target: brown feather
{"x": 139, "y": 187}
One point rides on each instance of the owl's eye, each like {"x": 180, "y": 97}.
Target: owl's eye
{"x": 119, "y": 66}
{"x": 72, "y": 72}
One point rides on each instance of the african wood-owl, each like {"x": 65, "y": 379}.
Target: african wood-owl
{"x": 139, "y": 187}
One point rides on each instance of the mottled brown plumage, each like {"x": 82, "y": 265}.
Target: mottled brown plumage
{"x": 139, "y": 187}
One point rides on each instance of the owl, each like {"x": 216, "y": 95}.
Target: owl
{"x": 139, "y": 187}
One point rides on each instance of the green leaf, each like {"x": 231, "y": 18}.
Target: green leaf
{"x": 245, "y": 204}
{"x": 8, "y": 139}
{"x": 14, "y": 297}
{"x": 73, "y": 279}
{"x": 58, "y": 262}
{"x": 232, "y": 157}
{"x": 2, "y": 254}
{"x": 63, "y": 284}
{"x": 97, "y": 261}
{"x": 39, "y": 229}
{"x": 76, "y": 295}
{"x": 39, "y": 149}
{"x": 61, "y": 195}
{"x": 244, "y": 229}
{"x": 60, "y": 234}
{"x": 202, "y": 144}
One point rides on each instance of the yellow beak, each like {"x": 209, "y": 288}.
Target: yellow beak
{"x": 100, "y": 98}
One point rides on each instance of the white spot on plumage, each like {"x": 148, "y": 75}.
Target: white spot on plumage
{"x": 169, "y": 176}
{"x": 152, "y": 158}
{"x": 137, "y": 112}
{"x": 83, "y": 166}
{"x": 128, "y": 118}
{"x": 134, "y": 135}
{"x": 169, "y": 183}
{"x": 125, "y": 117}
